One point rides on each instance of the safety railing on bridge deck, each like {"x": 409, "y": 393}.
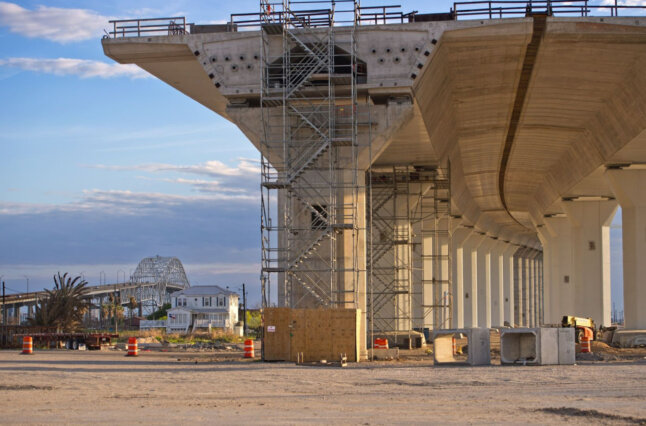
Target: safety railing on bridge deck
{"x": 319, "y": 17}
{"x": 148, "y": 27}
{"x": 522, "y": 8}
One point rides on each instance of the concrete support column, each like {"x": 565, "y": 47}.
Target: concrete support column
{"x": 435, "y": 275}
{"x": 508, "y": 275}
{"x": 470, "y": 265}
{"x": 541, "y": 292}
{"x": 536, "y": 293}
{"x": 591, "y": 247}
{"x": 403, "y": 262}
{"x": 16, "y": 313}
{"x": 458, "y": 238}
{"x": 559, "y": 273}
{"x": 628, "y": 186}
{"x": 497, "y": 284}
{"x": 531, "y": 285}
{"x": 526, "y": 288}
{"x": 547, "y": 241}
{"x": 484, "y": 281}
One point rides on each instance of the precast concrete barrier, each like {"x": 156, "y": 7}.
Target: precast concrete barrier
{"x": 537, "y": 346}
{"x": 447, "y": 346}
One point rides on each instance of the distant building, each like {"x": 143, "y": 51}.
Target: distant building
{"x": 202, "y": 306}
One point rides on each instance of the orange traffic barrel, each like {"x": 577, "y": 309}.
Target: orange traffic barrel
{"x": 133, "y": 348}
{"x": 248, "y": 348}
{"x": 455, "y": 345}
{"x": 380, "y": 343}
{"x": 586, "y": 340}
{"x": 27, "y": 345}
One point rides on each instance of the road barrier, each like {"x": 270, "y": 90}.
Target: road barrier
{"x": 248, "y": 348}
{"x": 380, "y": 344}
{"x": 27, "y": 345}
{"x": 133, "y": 348}
{"x": 586, "y": 345}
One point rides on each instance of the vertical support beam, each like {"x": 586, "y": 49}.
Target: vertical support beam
{"x": 402, "y": 251}
{"x": 537, "y": 289}
{"x": 628, "y": 186}
{"x": 531, "y": 285}
{"x": 484, "y": 281}
{"x": 518, "y": 286}
{"x": 591, "y": 247}
{"x": 541, "y": 272}
{"x": 508, "y": 275}
{"x": 470, "y": 266}
{"x": 560, "y": 273}
{"x": 526, "y": 288}
{"x": 497, "y": 285}
{"x": 547, "y": 276}
{"x": 458, "y": 238}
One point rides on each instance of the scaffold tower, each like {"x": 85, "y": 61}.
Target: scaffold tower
{"x": 409, "y": 251}
{"x": 309, "y": 155}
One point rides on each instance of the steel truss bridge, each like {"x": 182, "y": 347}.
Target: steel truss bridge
{"x": 150, "y": 286}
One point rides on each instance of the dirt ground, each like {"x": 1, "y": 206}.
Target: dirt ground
{"x": 58, "y": 386}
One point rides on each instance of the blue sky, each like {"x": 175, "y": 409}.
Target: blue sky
{"x": 102, "y": 165}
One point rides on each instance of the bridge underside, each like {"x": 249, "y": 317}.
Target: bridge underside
{"x": 540, "y": 123}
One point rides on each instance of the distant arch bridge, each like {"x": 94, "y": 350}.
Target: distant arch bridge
{"x": 150, "y": 286}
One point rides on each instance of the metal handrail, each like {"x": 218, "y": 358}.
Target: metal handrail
{"x": 520, "y": 8}
{"x": 149, "y": 26}
{"x": 313, "y": 18}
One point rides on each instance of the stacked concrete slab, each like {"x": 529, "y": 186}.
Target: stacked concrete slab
{"x": 537, "y": 346}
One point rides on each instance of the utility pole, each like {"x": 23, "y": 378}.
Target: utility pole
{"x": 116, "y": 319}
{"x": 4, "y": 316}
{"x": 244, "y": 309}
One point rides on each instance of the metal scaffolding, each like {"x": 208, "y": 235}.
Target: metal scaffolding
{"x": 309, "y": 156}
{"x": 409, "y": 254}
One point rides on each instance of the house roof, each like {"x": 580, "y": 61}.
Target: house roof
{"x": 204, "y": 290}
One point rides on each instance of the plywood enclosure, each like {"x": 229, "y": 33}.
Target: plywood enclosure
{"x": 316, "y": 333}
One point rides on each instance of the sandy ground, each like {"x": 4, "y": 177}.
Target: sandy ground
{"x": 59, "y": 386}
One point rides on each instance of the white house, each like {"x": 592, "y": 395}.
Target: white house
{"x": 201, "y": 307}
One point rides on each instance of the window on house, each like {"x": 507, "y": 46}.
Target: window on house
{"x": 206, "y": 301}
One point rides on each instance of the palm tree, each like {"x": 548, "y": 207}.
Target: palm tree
{"x": 64, "y": 306}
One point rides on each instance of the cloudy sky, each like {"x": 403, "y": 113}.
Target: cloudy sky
{"x": 102, "y": 165}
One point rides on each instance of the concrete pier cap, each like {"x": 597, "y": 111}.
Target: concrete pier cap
{"x": 525, "y": 112}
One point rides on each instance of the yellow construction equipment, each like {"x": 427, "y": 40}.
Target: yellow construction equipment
{"x": 580, "y": 324}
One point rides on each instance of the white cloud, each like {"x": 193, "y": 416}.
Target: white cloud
{"x": 624, "y": 2}
{"x": 201, "y": 185}
{"x": 214, "y": 168}
{"x": 83, "y": 68}
{"x": 53, "y": 23}
{"x": 129, "y": 202}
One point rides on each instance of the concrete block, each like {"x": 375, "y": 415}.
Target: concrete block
{"x": 629, "y": 338}
{"x": 478, "y": 346}
{"x": 567, "y": 352}
{"x": 529, "y": 346}
{"x": 384, "y": 354}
